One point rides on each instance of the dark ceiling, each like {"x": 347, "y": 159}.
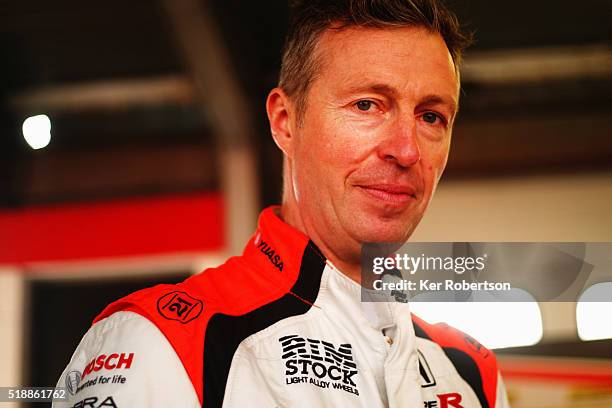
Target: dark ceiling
{"x": 64, "y": 42}
{"x": 67, "y": 40}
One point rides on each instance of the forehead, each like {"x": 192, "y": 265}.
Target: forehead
{"x": 404, "y": 58}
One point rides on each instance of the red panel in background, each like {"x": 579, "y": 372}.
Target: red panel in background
{"x": 560, "y": 370}
{"x": 189, "y": 223}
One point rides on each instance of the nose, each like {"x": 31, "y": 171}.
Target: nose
{"x": 399, "y": 144}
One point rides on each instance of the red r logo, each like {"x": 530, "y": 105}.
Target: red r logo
{"x": 450, "y": 400}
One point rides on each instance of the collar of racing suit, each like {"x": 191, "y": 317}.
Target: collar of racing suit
{"x": 373, "y": 310}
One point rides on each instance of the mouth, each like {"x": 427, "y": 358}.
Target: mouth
{"x": 389, "y": 193}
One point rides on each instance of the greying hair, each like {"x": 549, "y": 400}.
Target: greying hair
{"x": 312, "y": 17}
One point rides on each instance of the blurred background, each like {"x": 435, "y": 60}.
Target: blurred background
{"x": 135, "y": 149}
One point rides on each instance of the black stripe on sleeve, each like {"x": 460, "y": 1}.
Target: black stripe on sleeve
{"x": 224, "y": 333}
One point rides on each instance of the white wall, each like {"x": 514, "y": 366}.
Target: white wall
{"x": 11, "y": 325}
{"x": 538, "y": 208}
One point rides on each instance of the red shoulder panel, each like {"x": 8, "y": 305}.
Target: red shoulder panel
{"x": 448, "y": 337}
{"x": 182, "y": 311}
{"x": 266, "y": 271}
{"x": 179, "y": 315}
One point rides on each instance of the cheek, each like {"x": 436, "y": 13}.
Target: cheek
{"x": 352, "y": 146}
{"x": 334, "y": 146}
{"x": 316, "y": 164}
{"x": 434, "y": 162}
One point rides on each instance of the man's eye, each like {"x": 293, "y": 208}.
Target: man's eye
{"x": 364, "y": 105}
{"x": 430, "y": 117}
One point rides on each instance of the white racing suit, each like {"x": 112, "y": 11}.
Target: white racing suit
{"x": 278, "y": 326}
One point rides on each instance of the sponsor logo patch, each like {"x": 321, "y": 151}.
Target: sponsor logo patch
{"x": 270, "y": 253}
{"x": 450, "y": 400}
{"x": 108, "y": 362}
{"x": 427, "y": 378}
{"x": 476, "y": 346}
{"x": 73, "y": 378}
{"x": 95, "y": 402}
{"x": 102, "y": 379}
{"x": 319, "y": 363}
{"x": 179, "y": 306}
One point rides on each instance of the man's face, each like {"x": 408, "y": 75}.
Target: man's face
{"x": 375, "y": 133}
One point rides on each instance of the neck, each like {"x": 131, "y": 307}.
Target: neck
{"x": 346, "y": 260}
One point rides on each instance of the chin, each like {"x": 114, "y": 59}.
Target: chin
{"x": 387, "y": 237}
{"x": 368, "y": 223}
{"x": 384, "y": 231}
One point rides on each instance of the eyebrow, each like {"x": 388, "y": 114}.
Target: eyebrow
{"x": 433, "y": 99}
{"x": 375, "y": 87}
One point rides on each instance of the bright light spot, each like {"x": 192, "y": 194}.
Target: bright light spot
{"x": 494, "y": 324}
{"x": 593, "y": 317}
{"x": 37, "y": 131}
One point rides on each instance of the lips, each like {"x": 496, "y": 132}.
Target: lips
{"x": 391, "y": 193}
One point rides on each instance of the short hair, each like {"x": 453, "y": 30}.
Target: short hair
{"x": 310, "y": 18}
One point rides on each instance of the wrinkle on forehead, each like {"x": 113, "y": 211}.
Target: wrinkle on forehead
{"x": 347, "y": 55}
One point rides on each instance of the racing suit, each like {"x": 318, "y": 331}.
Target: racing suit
{"x": 278, "y": 326}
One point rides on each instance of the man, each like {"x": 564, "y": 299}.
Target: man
{"x": 363, "y": 113}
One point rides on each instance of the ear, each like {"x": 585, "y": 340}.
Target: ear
{"x": 279, "y": 108}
